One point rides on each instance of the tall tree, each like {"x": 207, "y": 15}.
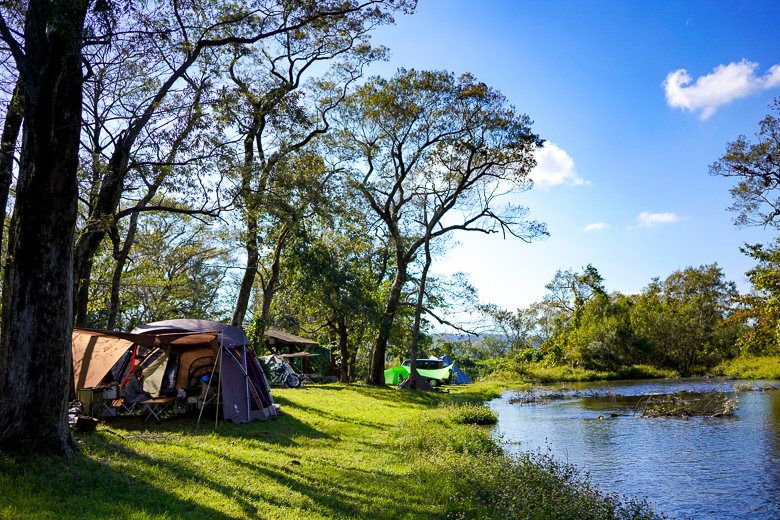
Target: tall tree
{"x": 759, "y": 311}
{"x": 39, "y": 275}
{"x": 756, "y": 166}
{"x": 451, "y": 139}
{"x": 684, "y": 317}
{"x": 35, "y": 354}
{"x": 280, "y": 112}
{"x": 171, "y": 38}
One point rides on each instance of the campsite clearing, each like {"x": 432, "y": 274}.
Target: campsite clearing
{"x": 332, "y": 454}
{"x": 338, "y": 452}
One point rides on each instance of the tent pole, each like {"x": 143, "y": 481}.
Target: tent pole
{"x": 208, "y": 387}
{"x": 219, "y": 384}
{"x": 246, "y": 380}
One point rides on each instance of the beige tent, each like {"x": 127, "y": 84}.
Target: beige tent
{"x": 96, "y": 352}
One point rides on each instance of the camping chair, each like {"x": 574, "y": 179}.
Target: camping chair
{"x": 131, "y": 408}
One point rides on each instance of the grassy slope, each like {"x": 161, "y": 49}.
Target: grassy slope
{"x": 333, "y": 455}
{"x": 338, "y": 452}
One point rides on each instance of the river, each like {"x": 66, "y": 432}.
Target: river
{"x": 700, "y": 468}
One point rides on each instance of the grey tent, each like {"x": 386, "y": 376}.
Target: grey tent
{"x": 177, "y": 354}
{"x": 458, "y": 375}
{"x": 245, "y": 390}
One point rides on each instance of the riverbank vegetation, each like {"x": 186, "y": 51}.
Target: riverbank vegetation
{"x": 338, "y": 452}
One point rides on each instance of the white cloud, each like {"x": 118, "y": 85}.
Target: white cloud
{"x": 647, "y": 219}
{"x": 554, "y": 166}
{"x": 599, "y": 226}
{"x": 723, "y": 85}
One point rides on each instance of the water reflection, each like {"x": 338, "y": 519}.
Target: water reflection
{"x": 725, "y": 468}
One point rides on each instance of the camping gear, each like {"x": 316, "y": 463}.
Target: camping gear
{"x": 175, "y": 355}
{"x": 238, "y": 392}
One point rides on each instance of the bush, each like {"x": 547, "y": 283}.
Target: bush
{"x": 434, "y": 430}
{"x": 528, "y": 486}
{"x": 473, "y": 414}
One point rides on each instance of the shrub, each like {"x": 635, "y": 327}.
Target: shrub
{"x": 473, "y": 414}
{"x": 527, "y": 486}
{"x": 434, "y": 430}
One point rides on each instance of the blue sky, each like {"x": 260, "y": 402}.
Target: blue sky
{"x": 635, "y": 100}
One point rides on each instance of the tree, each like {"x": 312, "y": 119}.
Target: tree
{"x": 516, "y": 329}
{"x": 37, "y": 313}
{"x": 431, "y": 134}
{"x": 175, "y": 269}
{"x": 684, "y": 318}
{"x": 280, "y": 114}
{"x": 757, "y": 169}
{"x": 570, "y": 291}
{"x": 335, "y": 271}
{"x": 170, "y": 40}
{"x": 35, "y": 356}
{"x": 759, "y": 311}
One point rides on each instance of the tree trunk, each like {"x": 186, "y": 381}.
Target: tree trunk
{"x": 344, "y": 349}
{"x": 418, "y": 311}
{"x": 35, "y": 344}
{"x": 270, "y": 287}
{"x": 121, "y": 260}
{"x": 248, "y": 280}
{"x": 95, "y": 229}
{"x": 250, "y": 209}
{"x": 351, "y": 369}
{"x": 13, "y": 122}
{"x": 377, "y": 374}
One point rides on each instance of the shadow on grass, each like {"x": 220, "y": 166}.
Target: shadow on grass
{"x": 282, "y": 430}
{"x": 139, "y": 470}
{"x": 83, "y": 488}
{"x": 164, "y": 475}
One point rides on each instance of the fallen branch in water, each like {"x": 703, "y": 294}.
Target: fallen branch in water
{"x": 753, "y": 387}
{"x": 709, "y": 405}
{"x": 541, "y": 395}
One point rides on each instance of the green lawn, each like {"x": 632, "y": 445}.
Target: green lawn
{"x": 338, "y": 452}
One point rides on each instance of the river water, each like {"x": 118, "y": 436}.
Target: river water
{"x": 701, "y": 468}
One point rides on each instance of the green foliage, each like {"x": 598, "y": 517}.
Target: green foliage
{"x": 750, "y": 367}
{"x": 756, "y": 166}
{"x": 528, "y": 486}
{"x": 575, "y": 374}
{"x": 760, "y": 310}
{"x": 473, "y": 414}
{"x": 679, "y": 323}
{"x": 176, "y": 271}
{"x": 684, "y": 319}
{"x": 434, "y": 430}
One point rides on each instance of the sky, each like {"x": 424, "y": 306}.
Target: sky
{"x": 635, "y": 100}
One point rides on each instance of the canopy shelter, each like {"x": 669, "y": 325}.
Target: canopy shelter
{"x": 174, "y": 358}
{"x": 279, "y": 341}
{"x": 283, "y": 343}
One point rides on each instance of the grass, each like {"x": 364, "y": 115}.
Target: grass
{"x": 573, "y": 374}
{"x": 762, "y": 367}
{"x": 338, "y": 452}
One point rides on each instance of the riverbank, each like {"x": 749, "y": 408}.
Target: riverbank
{"x": 763, "y": 367}
{"x": 338, "y": 452}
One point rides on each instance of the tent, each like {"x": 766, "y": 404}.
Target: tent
{"x": 458, "y": 376}
{"x": 178, "y": 354}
